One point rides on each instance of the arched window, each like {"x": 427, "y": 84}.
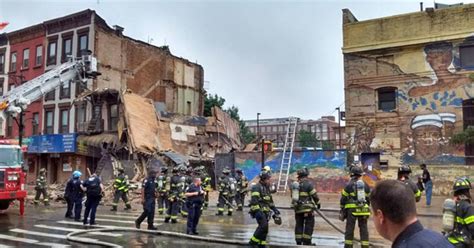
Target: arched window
{"x": 387, "y": 98}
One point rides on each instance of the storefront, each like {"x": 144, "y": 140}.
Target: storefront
{"x": 56, "y": 153}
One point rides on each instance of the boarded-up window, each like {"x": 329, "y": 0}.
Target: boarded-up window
{"x": 467, "y": 56}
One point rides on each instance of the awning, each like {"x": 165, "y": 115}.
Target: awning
{"x": 176, "y": 157}
{"x": 98, "y": 140}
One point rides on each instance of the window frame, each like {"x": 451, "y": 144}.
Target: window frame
{"x": 2, "y": 63}
{"x": 35, "y": 127}
{"x": 64, "y": 129}
{"x": 45, "y": 126}
{"x": 62, "y": 94}
{"x": 471, "y": 66}
{"x": 13, "y": 65}
{"x": 51, "y": 60}
{"x": 36, "y": 56}
{"x": 2, "y": 85}
{"x": 113, "y": 121}
{"x": 63, "y": 49}
{"x": 386, "y": 90}
{"x": 25, "y": 66}
{"x": 78, "y": 106}
{"x": 80, "y": 34}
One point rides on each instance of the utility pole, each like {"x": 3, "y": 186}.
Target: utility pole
{"x": 339, "y": 125}
{"x": 258, "y": 127}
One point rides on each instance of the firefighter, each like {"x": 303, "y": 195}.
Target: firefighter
{"x": 206, "y": 184}
{"x": 226, "y": 191}
{"x": 304, "y": 201}
{"x": 121, "y": 186}
{"x": 355, "y": 207}
{"x": 187, "y": 179}
{"x": 460, "y": 230}
{"x": 74, "y": 195}
{"x": 261, "y": 206}
{"x": 148, "y": 201}
{"x": 174, "y": 197}
{"x": 403, "y": 175}
{"x": 242, "y": 184}
{"x": 41, "y": 188}
{"x": 162, "y": 187}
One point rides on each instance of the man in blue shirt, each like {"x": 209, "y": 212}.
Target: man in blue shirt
{"x": 394, "y": 215}
{"x": 194, "y": 200}
{"x": 74, "y": 195}
{"x": 148, "y": 201}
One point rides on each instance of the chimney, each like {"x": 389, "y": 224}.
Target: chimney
{"x": 421, "y": 6}
{"x": 118, "y": 30}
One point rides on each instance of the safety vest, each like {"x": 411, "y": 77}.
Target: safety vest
{"x": 121, "y": 183}
{"x": 261, "y": 198}
{"x": 306, "y": 198}
{"x": 41, "y": 182}
{"x": 464, "y": 218}
{"x": 349, "y": 200}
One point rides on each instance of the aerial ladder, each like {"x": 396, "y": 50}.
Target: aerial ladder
{"x": 12, "y": 168}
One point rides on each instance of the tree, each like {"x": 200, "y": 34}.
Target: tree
{"x": 464, "y": 137}
{"x": 212, "y": 101}
{"x": 307, "y": 139}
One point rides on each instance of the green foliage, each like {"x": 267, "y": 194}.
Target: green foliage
{"x": 464, "y": 137}
{"x": 327, "y": 145}
{"x": 212, "y": 101}
{"x": 307, "y": 139}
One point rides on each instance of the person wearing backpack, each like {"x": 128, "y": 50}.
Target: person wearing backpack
{"x": 355, "y": 207}
{"x": 93, "y": 188}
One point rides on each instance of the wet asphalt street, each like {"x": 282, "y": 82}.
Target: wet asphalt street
{"x": 46, "y": 226}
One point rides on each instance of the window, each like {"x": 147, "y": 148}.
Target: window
{"x": 35, "y": 123}
{"x": 80, "y": 115}
{"x": 188, "y": 107}
{"x": 65, "y": 90}
{"x": 39, "y": 56}
{"x": 52, "y": 47}
{"x": 26, "y": 58}
{"x": 83, "y": 43}
{"x": 13, "y": 63}
{"x": 9, "y": 126}
{"x": 2, "y": 81}
{"x": 49, "y": 121}
{"x": 50, "y": 96}
{"x": 275, "y": 128}
{"x": 387, "y": 98}
{"x": 2, "y": 63}
{"x": 67, "y": 48}
{"x": 64, "y": 120}
{"x": 467, "y": 56}
{"x": 113, "y": 117}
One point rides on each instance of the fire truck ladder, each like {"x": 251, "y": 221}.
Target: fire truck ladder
{"x": 287, "y": 154}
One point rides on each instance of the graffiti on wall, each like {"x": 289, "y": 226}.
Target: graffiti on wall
{"x": 429, "y": 101}
{"x": 326, "y": 167}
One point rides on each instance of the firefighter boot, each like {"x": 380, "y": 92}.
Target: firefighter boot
{"x": 114, "y": 208}
{"x": 220, "y": 213}
{"x": 167, "y": 220}
{"x": 128, "y": 206}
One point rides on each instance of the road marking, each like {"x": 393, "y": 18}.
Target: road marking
{"x": 75, "y": 230}
{"x": 29, "y": 241}
{"x": 56, "y": 236}
{"x": 126, "y": 217}
{"x": 97, "y": 226}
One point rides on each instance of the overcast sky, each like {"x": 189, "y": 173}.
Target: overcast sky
{"x": 279, "y": 58}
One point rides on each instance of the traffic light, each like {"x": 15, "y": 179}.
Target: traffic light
{"x": 267, "y": 146}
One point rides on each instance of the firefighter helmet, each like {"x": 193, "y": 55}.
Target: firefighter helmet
{"x": 356, "y": 171}
{"x": 239, "y": 171}
{"x": 267, "y": 168}
{"x": 404, "y": 169}
{"x": 265, "y": 175}
{"x": 303, "y": 172}
{"x": 461, "y": 184}
{"x": 175, "y": 169}
{"x": 225, "y": 171}
{"x": 42, "y": 170}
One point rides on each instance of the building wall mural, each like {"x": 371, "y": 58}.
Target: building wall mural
{"x": 429, "y": 102}
{"x": 327, "y": 168}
